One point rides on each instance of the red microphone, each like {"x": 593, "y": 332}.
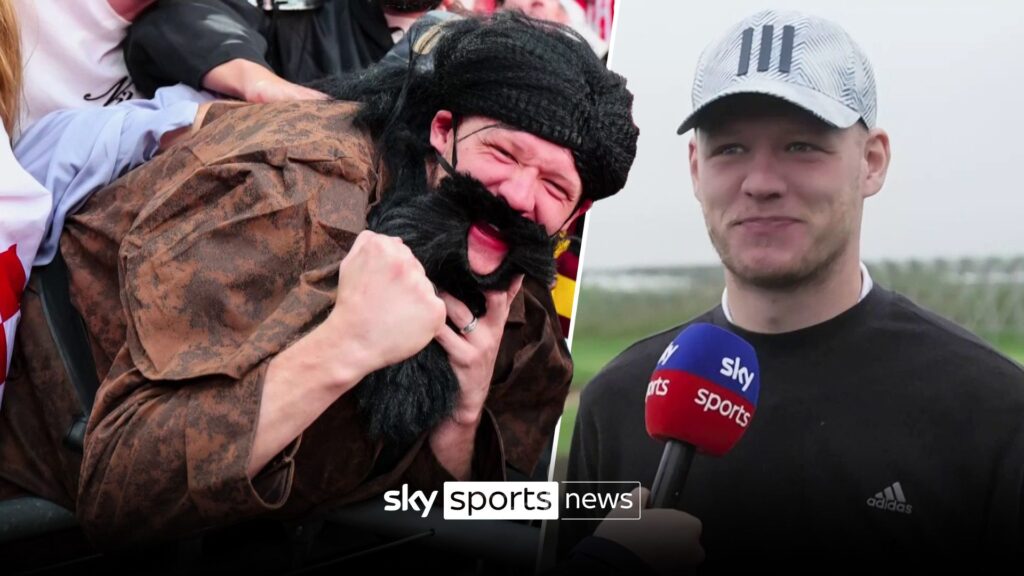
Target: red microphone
{"x": 702, "y": 396}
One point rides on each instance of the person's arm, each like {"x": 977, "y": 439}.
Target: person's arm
{"x": 246, "y": 80}
{"x": 385, "y": 312}
{"x": 472, "y": 356}
{"x": 220, "y": 266}
{"x": 163, "y": 458}
{"x": 215, "y": 45}
{"x": 183, "y": 40}
{"x": 522, "y": 403}
{"x": 73, "y": 153}
{"x": 453, "y": 442}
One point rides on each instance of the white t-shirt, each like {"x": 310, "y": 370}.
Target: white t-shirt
{"x": 71, "y": 50}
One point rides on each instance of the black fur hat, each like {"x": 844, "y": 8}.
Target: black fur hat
{"x": 544, "y": 79}
{"x": 536, "y": 76}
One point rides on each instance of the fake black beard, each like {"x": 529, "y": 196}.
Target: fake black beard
{"x": 402, "y": 400}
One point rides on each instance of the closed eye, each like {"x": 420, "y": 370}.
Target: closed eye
{"x": 557, "y": 189}
{"x": 503, "y": 153}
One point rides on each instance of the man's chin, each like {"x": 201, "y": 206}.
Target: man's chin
{"x": 769, "y": 273}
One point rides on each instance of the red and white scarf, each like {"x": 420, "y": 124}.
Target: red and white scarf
{"x": 24, "y": 210}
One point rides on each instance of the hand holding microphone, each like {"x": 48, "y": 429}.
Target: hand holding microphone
{"x": 702, "y": 396}
{"x": 667, "y": 540}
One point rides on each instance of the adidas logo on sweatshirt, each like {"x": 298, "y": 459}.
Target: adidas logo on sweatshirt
{"x": 891, "y": 499}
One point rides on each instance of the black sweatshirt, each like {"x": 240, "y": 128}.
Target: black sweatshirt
{"x": 886, "y": 435}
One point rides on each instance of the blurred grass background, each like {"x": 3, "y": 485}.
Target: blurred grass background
{"x": 619, "y": 307}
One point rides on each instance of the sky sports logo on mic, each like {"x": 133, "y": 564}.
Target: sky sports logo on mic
{"x": 704, "y": 389}
{"x": 521, "y": 500}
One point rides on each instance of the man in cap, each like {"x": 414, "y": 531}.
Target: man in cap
{"x": 883, "y": 432}
{"x": 243, "y": 372}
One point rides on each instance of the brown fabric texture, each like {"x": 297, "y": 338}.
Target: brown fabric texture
{"x": 192, "y": 273}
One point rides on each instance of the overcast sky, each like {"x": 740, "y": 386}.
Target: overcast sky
{"x": 950, "y": 78}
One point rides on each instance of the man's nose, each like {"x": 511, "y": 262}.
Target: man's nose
{"x": 520, "y": 189}
{"x": 763, "y": 179}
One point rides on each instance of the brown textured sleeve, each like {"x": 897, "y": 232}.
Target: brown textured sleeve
{"x": 163, "y": 459}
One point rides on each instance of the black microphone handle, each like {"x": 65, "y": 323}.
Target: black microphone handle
{"x": 672, "y": 472}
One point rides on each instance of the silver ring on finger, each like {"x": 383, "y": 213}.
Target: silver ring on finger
{"x": 469, "y": 327}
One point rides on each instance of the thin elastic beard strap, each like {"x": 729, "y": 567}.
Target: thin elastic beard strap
{"x": 444, "y": 164}
{"x": 450, "y": 168}
{"x": 455, "y": 142}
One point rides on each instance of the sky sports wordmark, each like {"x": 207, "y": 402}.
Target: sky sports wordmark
{"x": 521, "y": 500}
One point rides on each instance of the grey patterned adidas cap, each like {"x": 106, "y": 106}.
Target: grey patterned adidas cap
{"x": 802, "y": 59}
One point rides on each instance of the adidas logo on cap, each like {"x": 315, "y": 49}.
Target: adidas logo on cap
{"x": 892, "y": 499}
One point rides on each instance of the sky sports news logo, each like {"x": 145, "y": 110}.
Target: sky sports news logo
{"x": 520, "y": 500}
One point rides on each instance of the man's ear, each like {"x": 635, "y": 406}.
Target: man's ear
{"x": 441, "y": 134}
{"x": 877, "y": 155}
{"x": 694, "y": 166}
